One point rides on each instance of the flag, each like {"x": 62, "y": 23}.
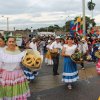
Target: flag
{"x": 77, "y": 22}
{"x": 80, "y": 31}
{"x": 72, "y": 27}
{"x": 78, "y": 19}
{"x": 77, "y": 26}
{"x": 80, "y": 28}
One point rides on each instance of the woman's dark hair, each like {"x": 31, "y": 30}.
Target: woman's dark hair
{"x": 70, "y": 38}
{"x": 1, "y": 37}
{"x": 10, "y": 37}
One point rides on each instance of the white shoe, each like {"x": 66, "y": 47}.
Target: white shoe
{"x": 69, "y": 87}
{"x": 83, "y": 68}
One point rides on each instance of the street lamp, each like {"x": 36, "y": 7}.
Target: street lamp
{"x": 84, "y": 26}
{"x": 31, "y": 29}
{"x": 7, "y": 22}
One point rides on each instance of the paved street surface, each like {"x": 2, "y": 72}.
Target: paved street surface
{"x": 83, "y": 90}
{"x": 49, "y": 87}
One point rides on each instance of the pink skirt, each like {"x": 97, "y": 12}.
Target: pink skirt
{"x": 14, "y": 85}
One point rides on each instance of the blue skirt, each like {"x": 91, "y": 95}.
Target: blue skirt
{"x": 30, "y": 75}
{"x": 70, "y": 72}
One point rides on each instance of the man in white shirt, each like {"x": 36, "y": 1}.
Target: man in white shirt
{"x": 56, "y": 45}
{"x": 83, "y": 48}
{"x": 33, "y": 44}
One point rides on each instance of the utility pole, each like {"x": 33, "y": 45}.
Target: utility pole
{"x": 92, "y": 10}
{"x": 7, "y": 24}
{"x": 7, "y": 18}
{"x": 84, "y": 23}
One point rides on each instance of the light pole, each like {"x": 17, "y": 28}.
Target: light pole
{"x": 84, "y": 23}
{"x": 7, "y": 22}
{"x": 31, "y": 29}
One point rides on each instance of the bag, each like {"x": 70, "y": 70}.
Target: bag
{"x": 54, "y": 52}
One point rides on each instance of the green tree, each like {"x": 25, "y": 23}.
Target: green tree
{"x": 50, "y": 28}
{"x": 67, "y": 27}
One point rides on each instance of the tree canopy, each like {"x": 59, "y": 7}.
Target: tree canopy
{"x": 91, "y": 5}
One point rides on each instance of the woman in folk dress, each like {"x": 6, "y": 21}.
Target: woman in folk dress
{"x": 2, "y": 42}
{"x": 70, "y": 72}
{"x": 2, "y": 45}
{"x": 48, "y": 58}
{"x": 14, "y": 85}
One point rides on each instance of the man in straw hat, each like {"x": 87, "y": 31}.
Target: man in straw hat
{"x": 83, "y": 48}
{"x": 56, "y": 45}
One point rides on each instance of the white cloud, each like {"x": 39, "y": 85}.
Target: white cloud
{"x": 97, "y": 19}
{"x": 39, "y": 13}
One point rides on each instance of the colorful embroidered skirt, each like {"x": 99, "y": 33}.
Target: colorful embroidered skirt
{"x": 14, "y": 86}
{"x": 70, "y": 72}
{"x": 29, "y": 74}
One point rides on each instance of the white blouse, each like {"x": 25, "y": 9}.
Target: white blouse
{"x": 10, "y": 61}
{"x": 83, "y": 47}
{"x": 48, "y": 46}
{"x": 69, "y": 49}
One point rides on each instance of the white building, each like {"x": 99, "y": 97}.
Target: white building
{"x": 46, "y": 33}
{"x": 2, "y": 32}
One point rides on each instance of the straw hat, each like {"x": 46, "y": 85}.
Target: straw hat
{"x": 49, "y": 41}
{"x": 57, "y": 37}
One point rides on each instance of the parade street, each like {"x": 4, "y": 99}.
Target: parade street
{"x": 49, "y": 87}
{"x": 50, "y": 50}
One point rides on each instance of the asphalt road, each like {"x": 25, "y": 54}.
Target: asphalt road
{"x": 47, "y": 70}
{"x": 82, "y": 90}
{"x": 88, "y": 89}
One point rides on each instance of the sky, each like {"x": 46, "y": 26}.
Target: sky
{"x": 33, "y": 14}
